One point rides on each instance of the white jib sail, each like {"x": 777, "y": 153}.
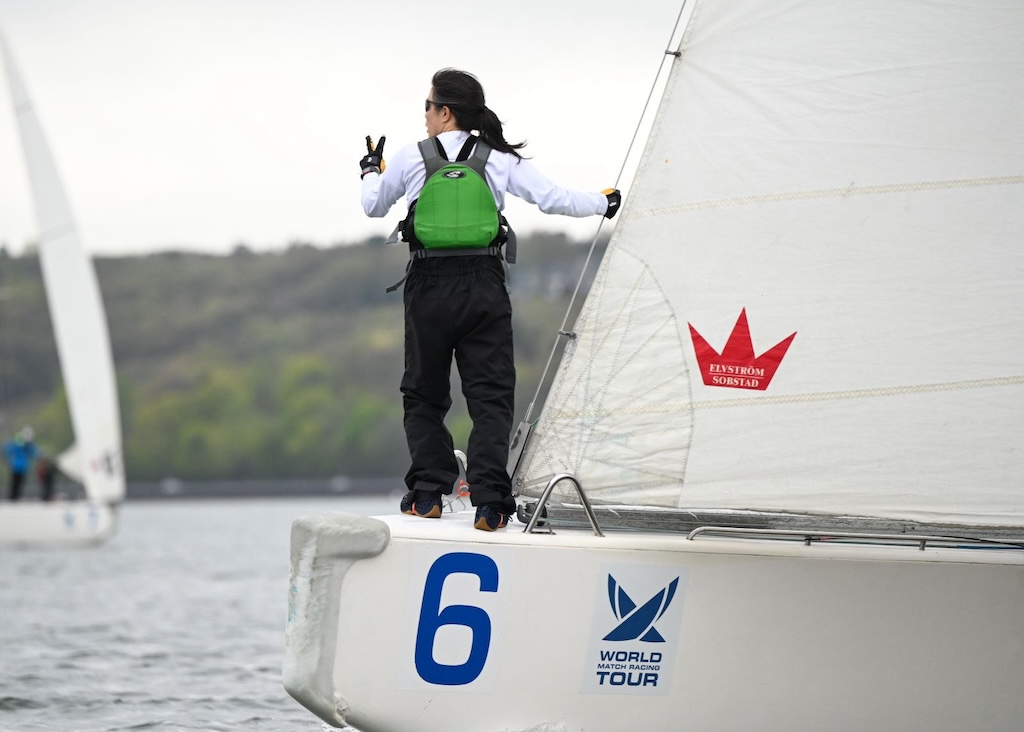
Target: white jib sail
{"x": 853, "y": 174}
{"x": 76, "y": 309}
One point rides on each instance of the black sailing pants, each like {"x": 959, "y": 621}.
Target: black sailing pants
{"x": 460, "y": 306}
{"x": 17, "y": 482}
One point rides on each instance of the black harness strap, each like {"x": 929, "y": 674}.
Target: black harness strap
{"x": 424, "y": 253}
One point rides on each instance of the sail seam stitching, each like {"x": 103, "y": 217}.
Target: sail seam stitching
{"x": 872, "y": 393}
{"x": 815, "y": 397}
{"x": 831, "y": 193}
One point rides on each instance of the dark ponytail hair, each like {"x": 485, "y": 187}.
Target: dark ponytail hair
{"x": 463, "y": 94}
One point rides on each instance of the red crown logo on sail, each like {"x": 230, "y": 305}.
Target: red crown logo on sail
{"x": 736, "y": 367}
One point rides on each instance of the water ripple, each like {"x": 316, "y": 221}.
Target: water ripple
{"x": 176, "y": 624}
{"x": 12, "y": 703}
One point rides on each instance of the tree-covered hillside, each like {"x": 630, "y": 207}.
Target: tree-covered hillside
{"x": 249, "y": 366}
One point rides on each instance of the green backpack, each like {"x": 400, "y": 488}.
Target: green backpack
{"x": 455, "y": 213}
{"x": 455, "y": 209}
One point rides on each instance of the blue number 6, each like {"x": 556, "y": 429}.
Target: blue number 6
{"x": 433, "y": 618}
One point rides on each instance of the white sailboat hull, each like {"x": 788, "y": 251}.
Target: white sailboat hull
{"x": 755, "y": 634}
{"x": 56, "y": 524}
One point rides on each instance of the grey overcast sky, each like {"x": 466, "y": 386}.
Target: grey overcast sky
{"x": 202, "y": 124}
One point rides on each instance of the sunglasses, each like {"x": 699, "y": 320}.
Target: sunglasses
{"x": 428, "y": 102}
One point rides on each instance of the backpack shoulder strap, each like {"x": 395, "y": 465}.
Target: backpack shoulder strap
{"x": 474, "y": 154}
{"x": 434, "y": 157}
{"x": 478, "y": 160}
{"x": 467, "y": 148}
{"x": 482, "y": 151}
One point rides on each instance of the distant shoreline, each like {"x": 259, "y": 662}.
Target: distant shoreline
{"x": 171, "y": 489}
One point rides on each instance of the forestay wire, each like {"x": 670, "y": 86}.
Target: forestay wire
{"x": 564, "y": 331}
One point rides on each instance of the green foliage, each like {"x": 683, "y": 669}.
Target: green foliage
{"x": 277, "y": 365}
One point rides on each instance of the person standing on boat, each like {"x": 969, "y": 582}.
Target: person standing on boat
{"x": 46, "y": 472}
{"x": 460, "y": 304}
{"x": 19, "y": 454}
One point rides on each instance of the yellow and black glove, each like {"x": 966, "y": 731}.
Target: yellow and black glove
{"x": 614, "y": 201}
{"x": 373, "y": 161}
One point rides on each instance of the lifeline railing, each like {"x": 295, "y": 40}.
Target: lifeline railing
{"x": 807, "y": 537}
{"x": 828, "y": 529}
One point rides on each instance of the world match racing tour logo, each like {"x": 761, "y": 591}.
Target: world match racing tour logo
{"x": 736, "y": 367}
{"x": 634, "y": 668}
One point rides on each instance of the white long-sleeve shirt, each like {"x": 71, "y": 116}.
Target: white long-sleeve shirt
{"x": 405, "y": 175}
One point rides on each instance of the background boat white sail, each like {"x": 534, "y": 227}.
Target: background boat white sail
{"x": 810, "y": 311}
{"x": 83, "y": 346}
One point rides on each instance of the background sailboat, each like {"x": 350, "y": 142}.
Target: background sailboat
{"x": 83, "y": 346}
{"x": 803, "y": 339}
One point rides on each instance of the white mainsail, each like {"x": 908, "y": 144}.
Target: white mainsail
{"x": 76, "y": 310}
{"x": 852, "y": 174}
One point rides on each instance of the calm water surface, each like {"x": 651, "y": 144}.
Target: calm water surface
{"x": 176, "y": 624}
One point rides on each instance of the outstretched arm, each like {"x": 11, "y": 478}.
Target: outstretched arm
{"x": 529, "y": 184}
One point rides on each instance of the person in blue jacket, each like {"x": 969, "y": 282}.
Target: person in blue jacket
{"x": 19, "y": 454}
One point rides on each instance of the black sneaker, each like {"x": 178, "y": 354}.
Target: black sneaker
{"x": 429, "y": 507}
{"x": 489, "y": 518}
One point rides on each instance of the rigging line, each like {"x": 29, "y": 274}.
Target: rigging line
{"x": 942, "y": 185}
{"x": 564, "y": 329}
{"x": 870, "y": 393}
{"x": 821, "y": 396}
